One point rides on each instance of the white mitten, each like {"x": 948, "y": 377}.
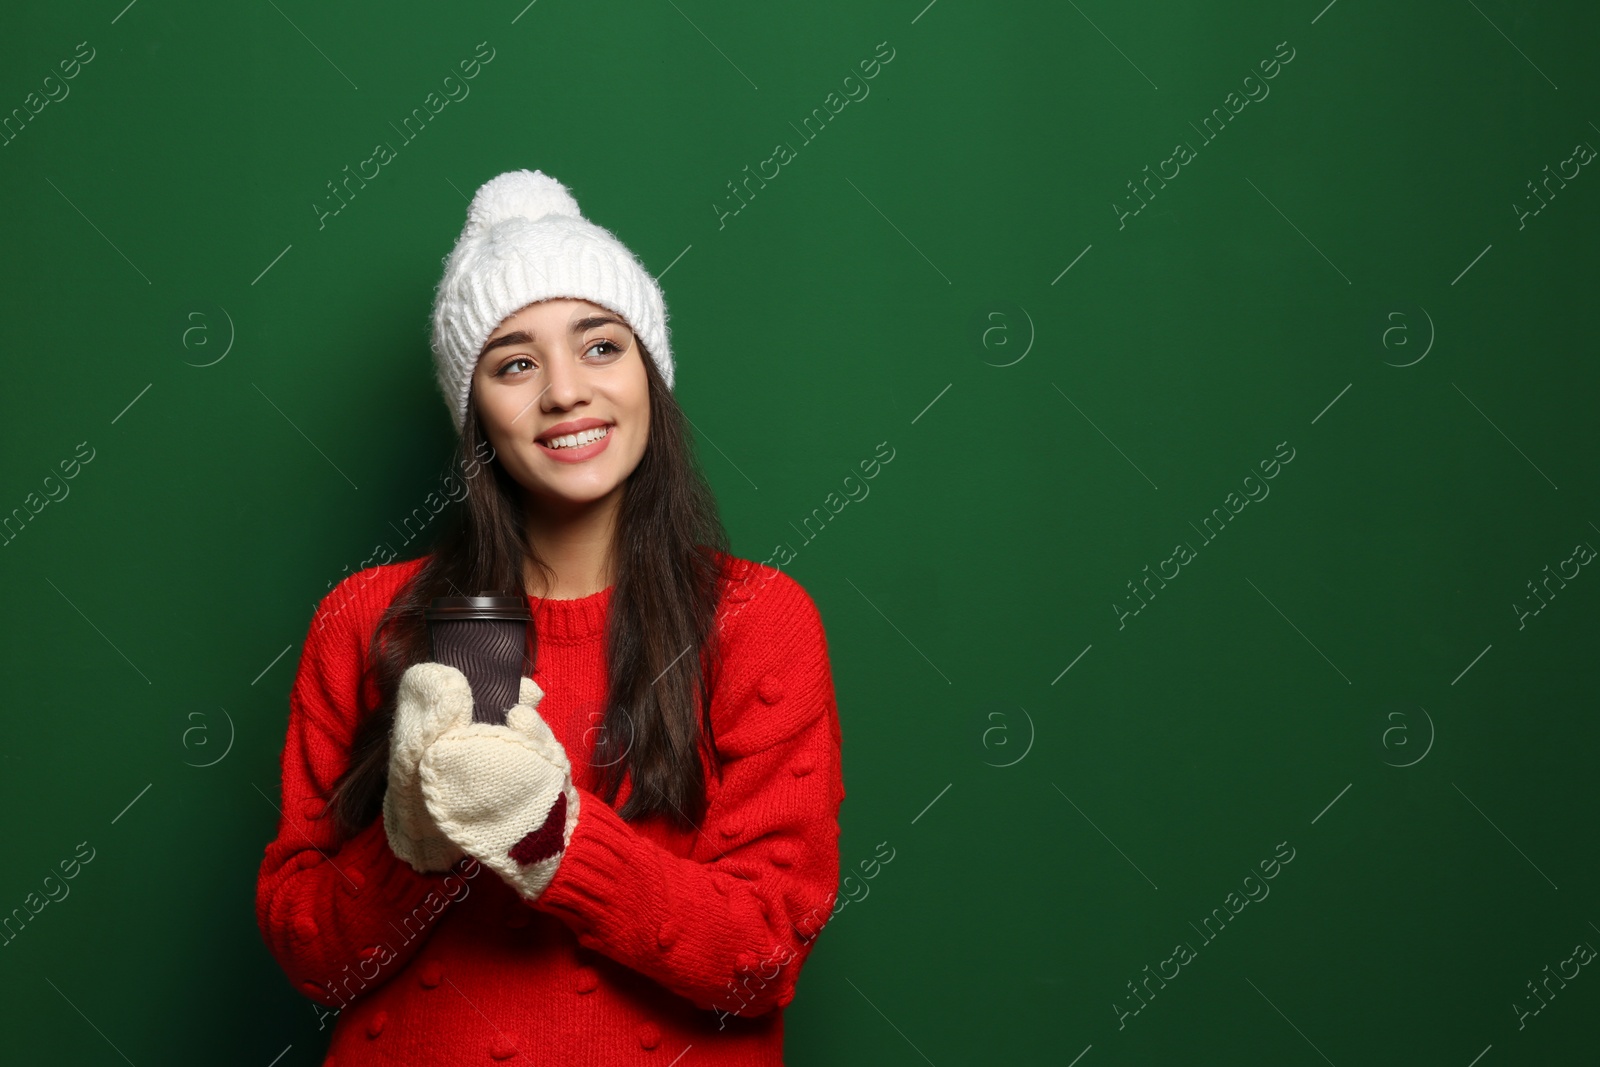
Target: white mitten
{"x": 432, "y": 698}
{"x": 504, "y": 794}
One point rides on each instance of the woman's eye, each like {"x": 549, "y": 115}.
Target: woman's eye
{"x": 614, "y": 348}
{"x": 512, "y": 363}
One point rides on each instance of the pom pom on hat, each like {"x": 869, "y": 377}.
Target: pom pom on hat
{"x": 525, "y": 240}
{"x": 519, "y": 194}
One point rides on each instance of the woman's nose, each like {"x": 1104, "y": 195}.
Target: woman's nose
{"x": 564, "y": 384}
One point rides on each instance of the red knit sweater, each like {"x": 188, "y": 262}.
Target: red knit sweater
{"x": 649, "y": 940}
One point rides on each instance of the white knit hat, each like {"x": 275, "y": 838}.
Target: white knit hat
{"x": 525, "y": 240}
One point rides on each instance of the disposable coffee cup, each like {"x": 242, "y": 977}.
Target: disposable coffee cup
{"x": 486, "y": 639}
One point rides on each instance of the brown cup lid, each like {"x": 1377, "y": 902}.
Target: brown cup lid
{"x": 479, "y": 607}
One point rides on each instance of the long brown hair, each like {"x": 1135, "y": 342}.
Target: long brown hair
{"x": 668, "y": 558}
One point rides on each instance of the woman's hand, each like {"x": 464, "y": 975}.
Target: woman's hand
{"x": 432, "y": 698}
{"x": 504, "y": 794}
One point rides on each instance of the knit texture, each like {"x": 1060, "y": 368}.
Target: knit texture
{"x": 504, "y": 794}
{"x": 647, "y": 940}
{"x": 432, "y": 698}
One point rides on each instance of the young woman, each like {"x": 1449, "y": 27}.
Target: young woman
{"x": 639, "y": 860}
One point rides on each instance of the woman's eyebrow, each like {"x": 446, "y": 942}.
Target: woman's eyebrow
{"x": 595, "y": 320}
{"x": 523, "y": 337}
{"x": 515, "y": 337}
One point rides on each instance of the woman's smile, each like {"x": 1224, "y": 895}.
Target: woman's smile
{"x": 574, "y": 442}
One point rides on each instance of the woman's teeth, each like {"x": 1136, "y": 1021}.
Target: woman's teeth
{"x": 576, "y": 440}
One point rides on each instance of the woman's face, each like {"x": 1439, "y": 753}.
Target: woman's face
{"x": 552, "y": 377}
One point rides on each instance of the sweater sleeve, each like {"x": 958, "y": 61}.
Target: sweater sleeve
{"x": 730, "y": 925}
{"x": 340, "y": 916}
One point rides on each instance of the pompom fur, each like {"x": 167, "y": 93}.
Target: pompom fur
{"x": 528, "y": 194}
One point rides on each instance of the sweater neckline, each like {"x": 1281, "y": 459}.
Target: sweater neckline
{"x": 569, "y": 620}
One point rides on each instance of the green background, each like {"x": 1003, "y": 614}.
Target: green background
{"x": 1342, "y": 270}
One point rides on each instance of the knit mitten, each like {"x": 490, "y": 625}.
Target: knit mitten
{"x": 432, "y": 698}
{"x": 504, "y": 794}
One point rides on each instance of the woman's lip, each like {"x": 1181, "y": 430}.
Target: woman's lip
{"x": 578, "y": 455}
{"x": 572, "y": 426}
